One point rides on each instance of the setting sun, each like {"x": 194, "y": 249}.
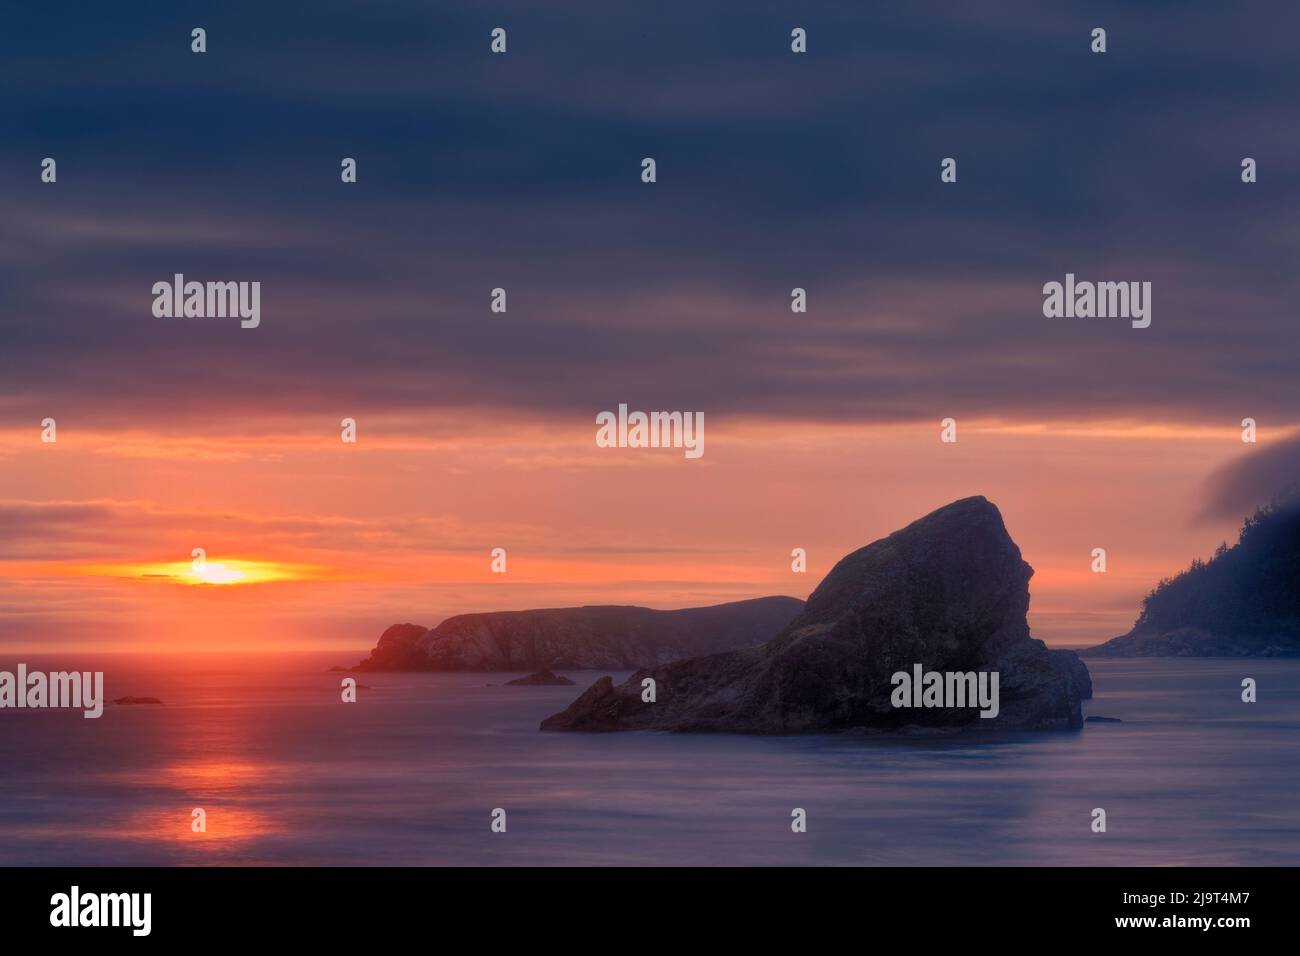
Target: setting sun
{"x": 226, "y": 571}
{"x": 216, "y": 572}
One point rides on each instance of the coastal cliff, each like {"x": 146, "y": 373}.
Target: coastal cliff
{"x": 603, "y": 637}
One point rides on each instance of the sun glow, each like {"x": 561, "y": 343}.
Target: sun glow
{"x": 234, "y": 571}
{"x": 227, "y": 571}
{"x": 216, "y": 572}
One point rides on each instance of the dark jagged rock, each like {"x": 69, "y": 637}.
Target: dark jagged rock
{"x": 607, "y": 637}
{"x": 1097, "y": 719}
{"x": 136, "y": 700}
{"x": 1243, "y": 602}
{"x": 541, "y": 678}
{"x": 1069, "y": 661}
{"x": 949, "y": 592}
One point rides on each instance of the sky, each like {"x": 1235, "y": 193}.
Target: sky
{"x": 476, "y": 429}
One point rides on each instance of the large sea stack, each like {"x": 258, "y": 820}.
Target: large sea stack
{"x": 949, "y": 592}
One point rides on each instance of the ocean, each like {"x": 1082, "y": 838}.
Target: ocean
{"x": 286, "y": 773}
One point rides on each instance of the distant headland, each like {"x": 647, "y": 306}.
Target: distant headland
{"x": 600, "y": 637}
{"x": 1243, "y": 602}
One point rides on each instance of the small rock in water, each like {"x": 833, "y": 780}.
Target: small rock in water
{"x": 1102, "y": 720}
{"x": 541, "y": 677}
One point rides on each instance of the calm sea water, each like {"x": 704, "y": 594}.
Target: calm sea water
{"x": 288, "y": 774}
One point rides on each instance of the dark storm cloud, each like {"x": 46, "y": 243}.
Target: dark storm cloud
{"x": 775, "y": 171}
{"x": 1261, "y": 476}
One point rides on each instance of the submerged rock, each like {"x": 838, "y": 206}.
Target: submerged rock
{"x": 540, "y": 678}
{"x": 949, "y": 592}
